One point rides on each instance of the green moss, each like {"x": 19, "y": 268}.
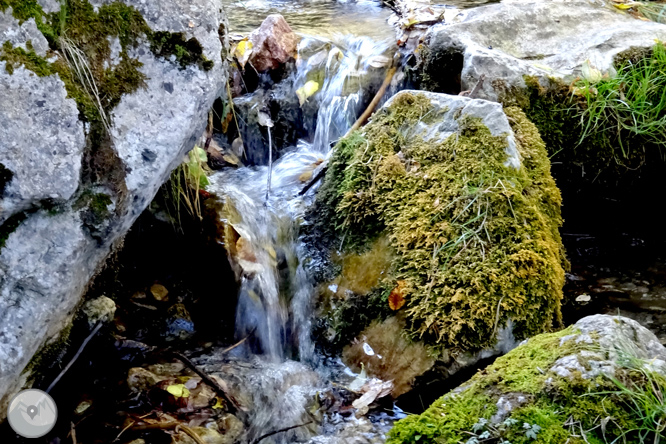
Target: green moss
{"x": 14, "y": 57}
{"x": 6, "y": 176}
{"x": 187, "y": 52}
{"x": 547, "y": 408}
{"x": 612, "y": 127}
{"x": 23, "y": 10}
{"x": 447, "y": 420}
{"x": 50, "y": 354}
{"x": 476, "y": 242}
{"x": 522, "y": 370}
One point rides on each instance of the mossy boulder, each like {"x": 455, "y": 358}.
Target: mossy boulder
{"x": 461, "y": 191}
{"x": 600, "y": 380}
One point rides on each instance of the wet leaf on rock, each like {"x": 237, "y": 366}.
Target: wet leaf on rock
{"x": 178, "y": 390}
{"x": 243, "y": 51}
{"x": 307, "y": 91}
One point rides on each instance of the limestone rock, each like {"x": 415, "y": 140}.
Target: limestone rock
{"x": 273, "y": 44}
{"x": 547, "y": 39}
{"x": 549, "y": 382}
{"x": 41, "y": 140}
{"x": 64, "y": 219}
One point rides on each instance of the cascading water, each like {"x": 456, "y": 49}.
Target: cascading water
{"x": 275, "y": 301}
{"x": 275, "y": 291}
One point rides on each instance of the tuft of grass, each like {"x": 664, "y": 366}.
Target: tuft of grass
{"x": 627, "y": 108}
{"x": 652, "y": 10}
{"x": 182, "y": 192}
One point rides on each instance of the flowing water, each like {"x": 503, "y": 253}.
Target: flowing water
{"x": 276, "y": 295}
{"x": 346, "y": 48}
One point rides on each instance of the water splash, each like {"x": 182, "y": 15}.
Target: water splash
{"x": 349, "y": 66}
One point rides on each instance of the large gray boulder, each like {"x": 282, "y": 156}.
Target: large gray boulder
{"x": 50, "y": 249}
{"x": 546, "y": 39}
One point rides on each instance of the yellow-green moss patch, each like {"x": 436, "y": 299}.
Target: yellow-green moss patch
{"x": 546, "y": 408}
{"x": 476, "y": 242}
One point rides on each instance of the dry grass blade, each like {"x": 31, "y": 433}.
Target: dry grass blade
{"x": 78, "y": 62}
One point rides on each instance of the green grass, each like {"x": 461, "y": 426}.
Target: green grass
{"x": 627, "y": 109}
{"x": 655, "y": 11}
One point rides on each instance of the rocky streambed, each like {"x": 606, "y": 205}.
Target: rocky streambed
{"x": 346, "y": 222}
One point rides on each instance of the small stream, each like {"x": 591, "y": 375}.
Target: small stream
{"x": 277, "y": 368}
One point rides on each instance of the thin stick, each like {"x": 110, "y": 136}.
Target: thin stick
{"x": 375, "y": 101}
{"x": 172, "y": 425}
{"x": 73, "y": 433}
{"x": 124, "y": 430}
{"x": 208, "y": 380}
{"x": 76, "y": 356}
{"x": 237, "y": 344}
{"x": 275, "y": 432}
{"x": 359, "y": 122}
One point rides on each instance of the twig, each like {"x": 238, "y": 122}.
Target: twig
{"x": 275, "y": 432}
{"x": 124, "y": 430}
{"x": 237, "y": 344}
{"x": 359, "y": 122}
{"x": 375, "y": 101}
{"x": 73, "y": 433}
{"x": 76, "y": 356}
{"x": 208, "y": 380}
{"x": 171, "y": 425}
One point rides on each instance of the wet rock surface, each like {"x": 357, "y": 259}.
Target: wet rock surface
{"x": 49, "y": 255}
{"x": 274, "y": 44}
{"x": 546, "y": 39}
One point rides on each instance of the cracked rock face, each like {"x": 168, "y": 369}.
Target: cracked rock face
{"x": 49, "y": 257}
{"x": 546, "y": 39}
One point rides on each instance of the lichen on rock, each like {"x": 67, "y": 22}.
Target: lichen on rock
{"x": 469, "y": 207}
{"x": 525, "y": 396}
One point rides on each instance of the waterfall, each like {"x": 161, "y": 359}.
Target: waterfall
{"x": 275, "y": 299}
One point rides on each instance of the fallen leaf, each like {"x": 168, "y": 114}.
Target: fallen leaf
{"x": 590, "y": 73}
{"x": 397, "y": 297}
{"x": 219, "y": 404}
{"x": 305, "y": 176}
{"x": 159, "y": 292}
{"x": 307, "y": 91}
{"x": 178, "y": 390}
{"x": 243, "y": 51}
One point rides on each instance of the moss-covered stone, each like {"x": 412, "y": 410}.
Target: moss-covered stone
{"x": 476, "y": 242}
{"x": 523, "y": 398}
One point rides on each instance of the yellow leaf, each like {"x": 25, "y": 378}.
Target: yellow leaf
{"x": 218, "y": 403}
{"x": 623, "y": 6}
{"x": 178, "y": 390}
{"x": 243, "y": 51}
{"x": 306, "y": 91}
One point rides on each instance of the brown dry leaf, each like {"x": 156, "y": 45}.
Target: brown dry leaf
{"x": 397, "y": 297}
{"x": 159, "y": 292}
